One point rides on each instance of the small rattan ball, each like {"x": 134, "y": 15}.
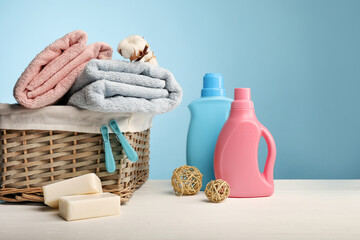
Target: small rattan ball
{"x": 186, "y": 180}
{"x": 217, "y": 190}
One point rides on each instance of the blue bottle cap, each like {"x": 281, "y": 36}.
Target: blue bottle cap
{"x": 213, "y": 85}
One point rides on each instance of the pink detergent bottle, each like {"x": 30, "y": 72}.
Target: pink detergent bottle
{"x": 236, "y": 151}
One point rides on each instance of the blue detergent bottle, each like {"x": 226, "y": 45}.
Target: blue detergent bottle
{"x": 208, "y": 115}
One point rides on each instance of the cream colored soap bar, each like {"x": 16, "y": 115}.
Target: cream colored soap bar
{"x": 89, "y": 206}
{"x": 85, "y": 184}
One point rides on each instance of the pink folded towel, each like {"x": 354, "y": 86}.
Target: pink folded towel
{"x": 53, "y": 71}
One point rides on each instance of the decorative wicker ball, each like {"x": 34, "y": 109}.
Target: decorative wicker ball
{"x": 217, "y": 190}
{"x": 186, "y": 180}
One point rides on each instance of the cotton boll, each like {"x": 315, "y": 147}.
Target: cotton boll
{"x": 131, "y": 46}
{"x": 136, "y": 48}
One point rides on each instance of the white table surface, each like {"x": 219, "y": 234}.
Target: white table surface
{"x": 299, "y": 209}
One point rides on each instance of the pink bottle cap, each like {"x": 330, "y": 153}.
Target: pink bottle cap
{"x": 242, "y": 98}
{"x": 242, "y": 94}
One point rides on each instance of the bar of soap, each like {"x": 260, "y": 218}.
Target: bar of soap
{"x": 85, "y": 184}
{"x": 89, "y": 206}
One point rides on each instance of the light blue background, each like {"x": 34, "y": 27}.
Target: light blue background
{"x": 301, "y": 59}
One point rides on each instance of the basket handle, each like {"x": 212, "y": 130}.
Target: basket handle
{"x": 109, "y": 157}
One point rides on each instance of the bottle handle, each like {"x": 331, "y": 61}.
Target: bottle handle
{"x": 270, "y": 160}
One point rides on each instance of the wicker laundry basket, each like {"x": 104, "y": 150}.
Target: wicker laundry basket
{"x": 30, "y": 159}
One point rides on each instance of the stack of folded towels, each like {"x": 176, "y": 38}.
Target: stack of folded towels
{"x": 70, "y": 72}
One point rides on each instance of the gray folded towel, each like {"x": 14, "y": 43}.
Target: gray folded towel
{"x": 120, "y": 86}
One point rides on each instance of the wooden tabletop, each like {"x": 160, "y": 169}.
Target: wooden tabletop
{"x": 299, "y": 209}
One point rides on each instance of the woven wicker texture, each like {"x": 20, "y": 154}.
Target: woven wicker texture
{"x": 186, "y": 180}
{"x": 30, "y": 159}
{"x": 217, "y": 190}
